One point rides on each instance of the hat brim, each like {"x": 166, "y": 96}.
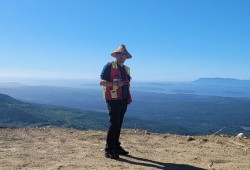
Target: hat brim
{"x": 114, "y": 54}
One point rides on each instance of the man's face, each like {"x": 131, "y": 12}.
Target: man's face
{"x": 121, "y": 57}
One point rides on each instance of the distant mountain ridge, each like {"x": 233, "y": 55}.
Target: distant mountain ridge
{"x": 200, "y": 81}
{"x": 222, "y": 81}
{"x": 11, "y": 84}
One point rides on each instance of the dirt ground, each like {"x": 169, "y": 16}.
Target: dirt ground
{"x": 50, "y": 148}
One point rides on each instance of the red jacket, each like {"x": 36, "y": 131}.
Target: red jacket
{"x": 115, "y": 92}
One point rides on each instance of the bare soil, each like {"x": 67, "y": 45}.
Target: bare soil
{"x": 50, "y": 148}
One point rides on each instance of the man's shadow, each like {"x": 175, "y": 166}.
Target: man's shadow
{"x": 156, "y": 164}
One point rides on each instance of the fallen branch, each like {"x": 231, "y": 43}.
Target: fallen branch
{"x": 218, "y": 131}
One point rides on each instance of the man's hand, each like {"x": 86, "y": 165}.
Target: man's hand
{"x": 121, "y": 83}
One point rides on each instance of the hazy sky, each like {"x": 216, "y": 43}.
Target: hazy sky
{"x": 170, "y": 40}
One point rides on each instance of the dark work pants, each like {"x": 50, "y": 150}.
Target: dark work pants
{"x": 117, "y": 110}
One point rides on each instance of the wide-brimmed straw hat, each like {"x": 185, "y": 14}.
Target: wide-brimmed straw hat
{"x": 121, "y": 49}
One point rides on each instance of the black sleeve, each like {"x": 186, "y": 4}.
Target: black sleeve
{"x": 105, "y": 75}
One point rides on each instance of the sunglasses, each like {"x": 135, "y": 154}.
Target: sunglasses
{"x": 122, "y": 54}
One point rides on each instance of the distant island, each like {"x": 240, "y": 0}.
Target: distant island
{"x": 222, "y": 81}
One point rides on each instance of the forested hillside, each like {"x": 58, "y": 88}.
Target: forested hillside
{"x": 15, "y": 113}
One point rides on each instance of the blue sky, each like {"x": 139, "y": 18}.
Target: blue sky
{"x": 170, "y": 40}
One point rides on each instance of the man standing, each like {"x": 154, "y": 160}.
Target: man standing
{"x": 115, "y": 79}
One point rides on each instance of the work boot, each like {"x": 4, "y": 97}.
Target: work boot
{"x": 109, "y": 153}
{"x": 121, "y": 151}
